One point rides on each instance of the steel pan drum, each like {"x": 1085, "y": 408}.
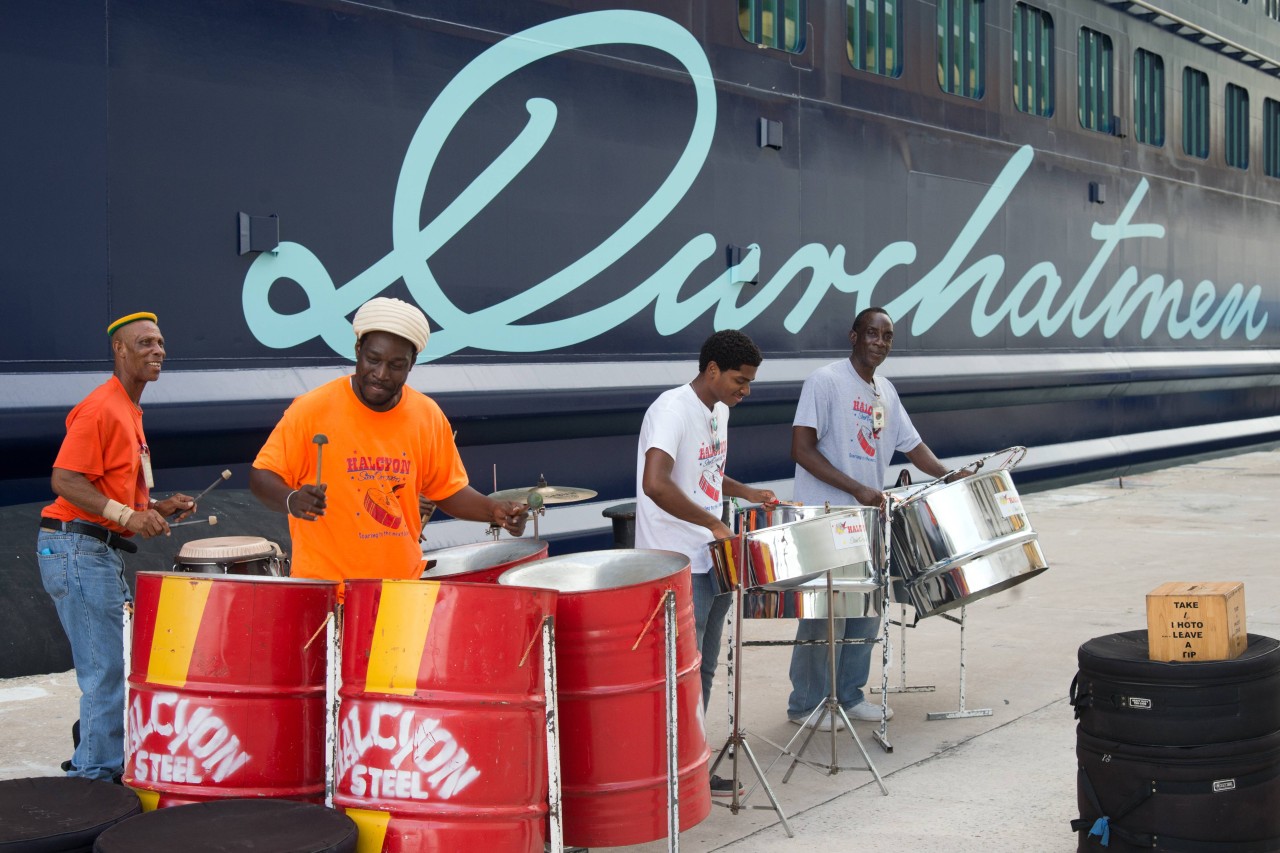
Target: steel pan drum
{"x": 611, "y": 677}
{"x": 846, "y": 601}
{"x": 962, "y": 542}
{"x": 481, "y": 562}
{"x": 846, "y": 542}
{"x": 232, "y": 555}
{"x": 227, "y": 688}
{"x": 442, "y": 717}
{"x": 771, "y": 515}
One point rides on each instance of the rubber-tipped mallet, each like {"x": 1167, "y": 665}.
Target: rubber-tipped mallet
{"x": 225, "y": 475}
{"x": 211, "y": 521}
{"x": 320, "y": 441}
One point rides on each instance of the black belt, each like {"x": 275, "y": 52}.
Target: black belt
{"x": 102, "y": 534}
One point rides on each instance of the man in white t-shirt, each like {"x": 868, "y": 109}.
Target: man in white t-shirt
{"x": 680, "y": 480}
{"x": 848, "y": 424}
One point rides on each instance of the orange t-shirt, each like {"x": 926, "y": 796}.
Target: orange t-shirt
{"x": 104, "y": 442}
{"x": 375, "y": 464}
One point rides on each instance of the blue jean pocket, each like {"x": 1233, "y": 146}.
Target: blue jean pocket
{"x": 54, "y": 570}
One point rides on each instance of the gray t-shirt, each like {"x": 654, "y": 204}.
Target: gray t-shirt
{"x": 838, "y": 403}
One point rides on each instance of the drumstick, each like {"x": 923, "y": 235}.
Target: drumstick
{"x": 320, "y": 441}
{"x": 225, "y": 475}
{"x": 211, "y": 521}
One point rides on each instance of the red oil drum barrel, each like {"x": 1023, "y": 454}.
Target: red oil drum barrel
{"x": 481, "y": 562}
{"x": 226, "y": 688}
{"x": 442, "y": 716}
{"x": 612, "y": 697}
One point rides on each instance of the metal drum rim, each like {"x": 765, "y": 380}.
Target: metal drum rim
{"x": 930, "y": 489}
{"x": 293, "y": 581}
{"x": 825, "y": 516}
{"x": 540, "y": 568}
{"x": 520, "y": 544}
{"x": 1004, "y": 543}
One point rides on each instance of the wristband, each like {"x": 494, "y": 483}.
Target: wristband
{"x": 287, "y": 509}
{"x": 117, "y": 512}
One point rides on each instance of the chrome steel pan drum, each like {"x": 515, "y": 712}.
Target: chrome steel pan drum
{"x": 811, "y": 602}
{"x": 232, "y": 555}
{"x": 771, "y": 515}
{"x": 482, "y": 561}
{"x": 848, "y": 543}
{"x": 962, "y": 542}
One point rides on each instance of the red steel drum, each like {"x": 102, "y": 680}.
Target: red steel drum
{"x": 481, "y": 562}
{"x": 442, "y": 716}
{"x": 226, "y": 688}
{"x": 611, "y": 698}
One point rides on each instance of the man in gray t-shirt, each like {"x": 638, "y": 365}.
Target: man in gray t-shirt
{"x": 848, "y": 424}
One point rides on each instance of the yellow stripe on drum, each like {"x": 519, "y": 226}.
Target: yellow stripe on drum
{"x": 372, "y": 826}
{"x": 150, "y": 799}
{"x": 179, "y": 613}
{"x": 399, "y": 634}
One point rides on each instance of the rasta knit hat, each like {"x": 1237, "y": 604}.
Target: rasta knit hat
{"x": 129, "y": 318}
{"x": 384, "y": 314}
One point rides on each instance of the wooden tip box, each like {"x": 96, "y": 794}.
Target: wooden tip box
{"x": 1196, "y": 621}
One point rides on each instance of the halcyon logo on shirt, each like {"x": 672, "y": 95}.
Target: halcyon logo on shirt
{"x": 379, "y": 480}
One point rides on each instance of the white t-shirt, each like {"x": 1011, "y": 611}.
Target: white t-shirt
{"x": 838, "y": 403}
{"x": 697, "y": 439}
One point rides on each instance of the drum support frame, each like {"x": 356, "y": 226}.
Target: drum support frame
{"x": 961, "y": 712}
{"x": 737, "y": 740}
{"x": 555, "y": 814}
{"x": 902, "y": 686}
{"x": 831, "y": 706}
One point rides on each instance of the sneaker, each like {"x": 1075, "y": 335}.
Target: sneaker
{"x": 724, "y": 787}
{"x": 822, "y": 722}
{"x": 865, "y": 710}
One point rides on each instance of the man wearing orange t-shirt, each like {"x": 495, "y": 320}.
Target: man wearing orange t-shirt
{"x": 385, "y": 445}
{"x": 102, "y": 477}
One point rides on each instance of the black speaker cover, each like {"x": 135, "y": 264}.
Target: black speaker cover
{"x": 281, "y": 826}
{"x": 59, "y": 814}
{"x": 1216, "y": 798}
{"x": 1120, "y": 694}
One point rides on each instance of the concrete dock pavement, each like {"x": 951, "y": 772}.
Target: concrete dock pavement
{"x": 1004, "y": 782}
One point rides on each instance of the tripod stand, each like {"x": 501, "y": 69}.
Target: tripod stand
{"x": 830, "y": 706}
{"x": 737, "y": 742}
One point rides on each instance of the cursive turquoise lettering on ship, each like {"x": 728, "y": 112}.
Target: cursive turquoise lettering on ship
{"x": 1035, "y": 303}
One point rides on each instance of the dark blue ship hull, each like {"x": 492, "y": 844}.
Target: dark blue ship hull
{"x": 577, "y": 195}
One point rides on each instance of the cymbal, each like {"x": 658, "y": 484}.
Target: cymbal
{"x": 550, "y": 494}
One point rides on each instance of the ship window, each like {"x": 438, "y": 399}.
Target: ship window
{"x": 961, "y": 47}
{"x": 1195, "y": 112}
{"x": 1271, "y": 137}
{"x": 1032, "y": 60}
{"x": 1272, "y": 8}
{"x": 1093, "y": 78}
{"x": 1237, "y": 126}
{"x": 1148, "y": 97}
{"x": 778, "y": 24}
{"x": 875, "y": 36}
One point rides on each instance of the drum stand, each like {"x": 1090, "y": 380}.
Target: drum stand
{"x": 960, "y": 712}
{"x": 901, "y": 686}
{"x": 555, "y": 816}
{"x": 737, "y": 740}
{"x": 831, "y": 706}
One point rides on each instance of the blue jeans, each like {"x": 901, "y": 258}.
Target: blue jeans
{"x": 811, "y": 671}
{"x": 709, "y": 613}
{"x": 85, "y": 579}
